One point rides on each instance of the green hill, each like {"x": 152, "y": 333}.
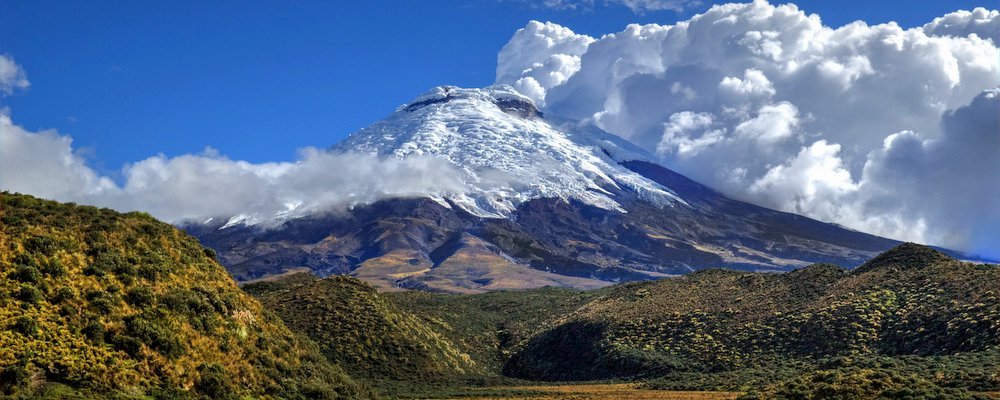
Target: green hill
{"x": 490, "y": 326}
{"x": 99, "y": 304}
{"x": 362, "y": 330}
{"x": 911, "y": 310}
{"x": 911, "y": 323}
{"x": 410, "y": 343}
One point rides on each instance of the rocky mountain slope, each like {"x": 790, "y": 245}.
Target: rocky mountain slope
{"x": 546, "y": 202}
{"x": 98, "y": 304}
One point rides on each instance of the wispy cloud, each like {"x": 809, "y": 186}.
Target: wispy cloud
{"x": 637, "y": 6}
{"x": 12, "y": 76}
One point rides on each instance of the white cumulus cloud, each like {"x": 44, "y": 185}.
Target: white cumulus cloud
{"x": 980, "y": 21}
{"x": 200, "y": 186}
{"x": 769, "y": 105}
{"x": 539, "y": 56}
{"x": 952, "y": 182}
{"x": 44, "y": 164}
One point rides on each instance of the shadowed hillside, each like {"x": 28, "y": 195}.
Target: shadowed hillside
{"x": 911, "y": 313}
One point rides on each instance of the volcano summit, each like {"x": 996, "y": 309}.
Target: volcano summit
{"x": 543, "y": 201}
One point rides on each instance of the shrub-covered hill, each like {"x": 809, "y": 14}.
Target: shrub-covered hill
{"x": 95, "y": 303}
{"x": 362, "y": 330}
{"x": 411, "y": 343}
{"x": 912, "y": 309}
{"x": 859, "y": 384}
{"x": 491, "y": 326}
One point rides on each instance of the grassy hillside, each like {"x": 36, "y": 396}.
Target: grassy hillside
{"x": 490, "y": 326}
{"x": 362, "y": 330}
{"x": 98, "y": 304}
{"x": 95, "y": 303}
{"x": 911, "y": 311}
{"x": 414, "y": 344}
{"x": 910, "y": 323}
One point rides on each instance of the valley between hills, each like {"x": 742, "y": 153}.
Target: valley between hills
{"x": 99, "y": 304}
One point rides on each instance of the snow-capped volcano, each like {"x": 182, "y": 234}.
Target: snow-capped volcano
{"x": 539, "y": 201}
{"x": 508, "y": 152}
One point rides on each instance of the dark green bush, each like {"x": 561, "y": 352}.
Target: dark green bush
{"x": 93, "y": 331}
{"x": 25, "y": 259}
{"x": 188, "y": 302}
{"x": 94, "y": 270}
{"x": 130, "y": 345}
{"x": 125, "y": 269}
{"x": 41, "y": 245}
{"x": 107, "y": 261}
{"x": 26, "y": 274}
{"x": 25, "y": 325}
{"x": 64, "y": 293}
{"x": 29, "y": 294}
{"x": 13, "y": 376}
{"x": 139, "y": 296}
{"x": 149, "y": 272}
{"x": 102, "y": 301}
{"x": 155, "y": 332}
{"x": 54, "y": 268}
{"x": 213, "y": 382}
{"x": 206, "y": 323}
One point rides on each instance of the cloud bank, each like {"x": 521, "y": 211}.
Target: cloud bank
{"x": 887, "y": 130}
{"x": 197, "y": 187}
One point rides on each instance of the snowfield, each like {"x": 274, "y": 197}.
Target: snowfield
{"x": 508, "y": 152}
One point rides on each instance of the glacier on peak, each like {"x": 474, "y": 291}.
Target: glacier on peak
{"x": 509, "y": 152}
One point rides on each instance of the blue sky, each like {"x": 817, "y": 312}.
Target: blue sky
{"x": 849, "y": 126}
{"x": 128, "y": 80}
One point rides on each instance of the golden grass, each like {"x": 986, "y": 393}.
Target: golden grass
{"x": 278, "y": 277}
{"x": 625, "y": 391}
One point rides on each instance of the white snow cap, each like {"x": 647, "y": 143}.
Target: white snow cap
{"x": 507, "y": 152}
